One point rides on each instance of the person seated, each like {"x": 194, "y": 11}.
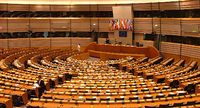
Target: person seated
{"x": 41, "y": 84}
{"x": 107, "y": 41}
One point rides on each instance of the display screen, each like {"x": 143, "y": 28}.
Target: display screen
{"x": 122, "y": 33}
{"x": 121, "y": 24}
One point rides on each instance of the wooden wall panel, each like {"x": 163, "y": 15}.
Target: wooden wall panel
{"x": 39, "y": 25}
{"x": 105, "y": 7}
{"x": 43, "y": 42}
{"x": 60, "y": 25}
{"x": 190, "y": 27}
{"x": 40, "y": 42}
{"x": 104, "y": 25}
{"x": 187, "y": 50}
{"x": 18, "y": 25}
{"x": 94, "y": 25}
{"x": 172, "y": 48}
{"x": 40, "y": 8}
{"x": 93, "y": 7}
{"x": 101, "y": 40}
{"x": 60, "y": 42}
{"x": 189, "y": 4}
{"x": 20, "y": 7}
{"x": 138, "y": 37}
{"x": 191, "y": 50}
{"x": 80, "y": 25}
{"x": 143, "y": 25}
{"x": 170, "y": 26}
{"x": 81, "y": 41}
{"x": 3, "y": 43}
{"x": 3, "y": 7}
{"x": 80, "y": 8}
{"x": 169, "y": 55}
{"x": 60, "y": 8}
{"x": 184, "y": 4}
{"x": 142, "y": 6}
{"x": 155, "y": 6}
{"x": 148, "y": 43}
{"x": 169, "y": 6}
{"x": 156, "y": 25}
{"x": 3, "y": 26}
{"x": 14, "y": 7}
{"x": 19, "y": 42}
{"x": 177, "y": 57}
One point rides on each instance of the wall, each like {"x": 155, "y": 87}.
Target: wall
{"x": 169, "y": 26}
{"x": 177, "y": 50}
{"x": 124, "y": 40}
{"x": 101, "y": 40}
{"x": 123, "y": 12}
{"x": 165, "y": 26}
{"x": 178, "y": 57}
{"x": 170, "y": 5}
{"x": 148, "y": 43}
{"x": 181, "y": 49}
{"x": 43, "y": 42}
{"x": 138, "y": 37}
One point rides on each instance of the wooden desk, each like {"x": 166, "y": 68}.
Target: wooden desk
{"x": 197, "y": 88}
{"x": 24, "y": 95}
{"x": 7, "y": 102}
{"x": 113, "y": 104}
{"x": 96, "y": 49}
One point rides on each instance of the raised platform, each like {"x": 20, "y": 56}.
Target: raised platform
{"x": 105, "y": 51}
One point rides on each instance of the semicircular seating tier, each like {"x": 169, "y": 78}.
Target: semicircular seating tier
{"x": 73, "y": 81}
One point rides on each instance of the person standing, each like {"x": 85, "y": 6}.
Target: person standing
{"x": 79, "y": 48}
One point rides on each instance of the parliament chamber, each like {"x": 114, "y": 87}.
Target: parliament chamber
{"x": 99, "y": 53}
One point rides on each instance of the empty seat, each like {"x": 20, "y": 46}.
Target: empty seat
{"x": 178, "y": 104}
{"x": 145, "y": 89}
{"x": 164, "y": 106}
{"x": 105, "y": 99}
{"x": 156, "y": 88}
{"x": 119, "y": 99}
{"x": 148, "y": 96}
{"x": 181, "y": 93}
{"x": 165, "y": 87}
{"x": 191, "y": 102}
{"x": 150, "y": 106}
{"x": 160, "y": 95}
{"x": 134, "y": 90}
{"x": 171, "y": 94}
{"x": 2, "y": 105}
{"x": 91, "y": 99}
{"x": 134, "y": 98}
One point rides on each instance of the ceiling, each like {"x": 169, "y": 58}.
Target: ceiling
{"x": 80, "y": 2}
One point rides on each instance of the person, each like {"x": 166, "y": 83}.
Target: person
{"x": 79, "y": 48}
{"x": 107, "y": 41}
{"x": 41, "y": 84}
